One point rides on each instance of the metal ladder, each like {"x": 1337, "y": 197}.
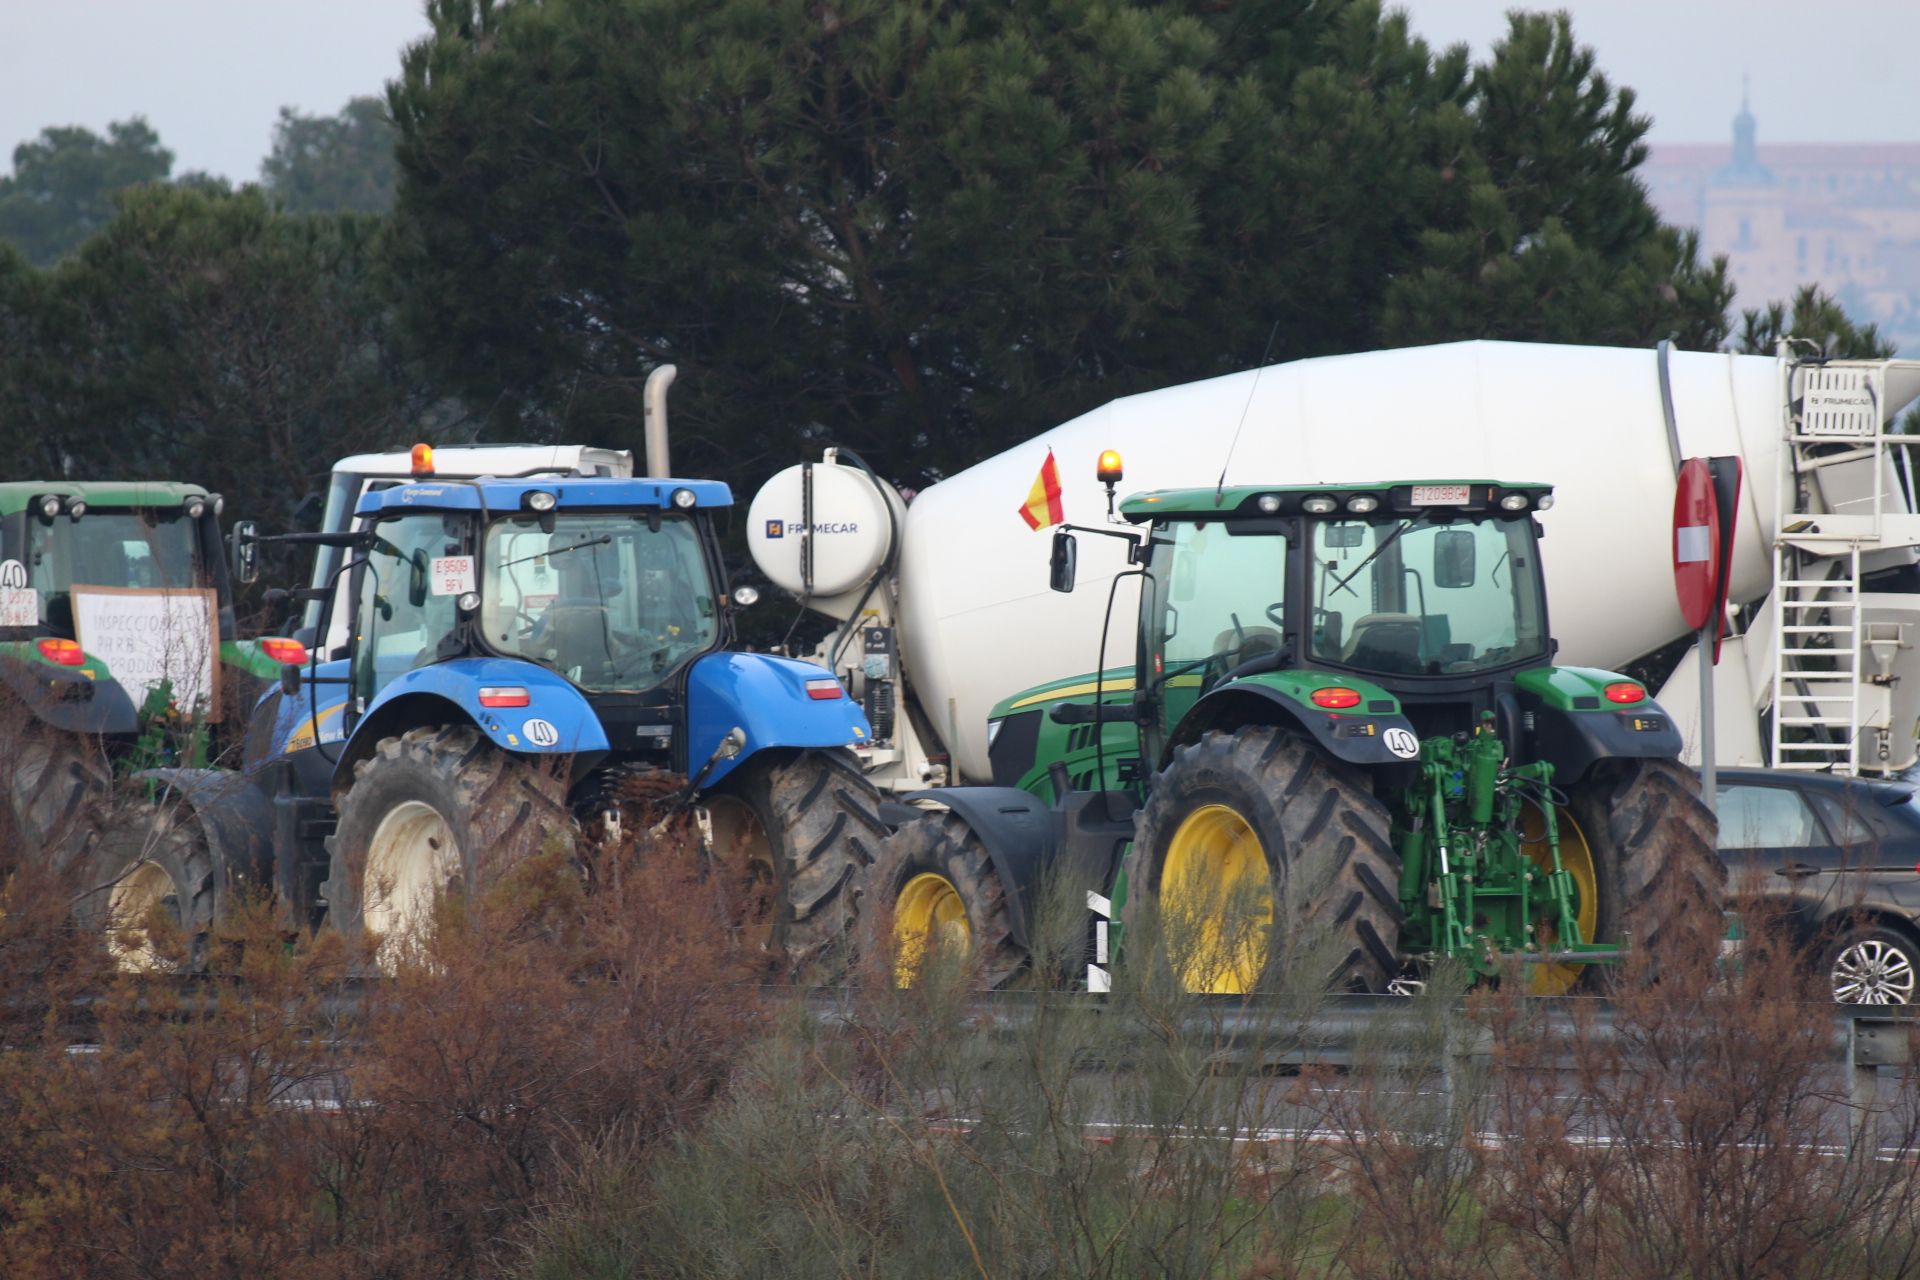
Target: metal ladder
{"x": 1816, "y": 665}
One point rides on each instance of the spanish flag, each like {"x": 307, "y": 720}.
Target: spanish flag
{"x": 1042, "y": 506}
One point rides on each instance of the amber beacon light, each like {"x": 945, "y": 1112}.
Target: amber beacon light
{"x": 423, "y": 459}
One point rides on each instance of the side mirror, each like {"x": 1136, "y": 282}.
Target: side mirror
{"x": 290, "y": 678}
{"x": 1066, "y": 555}
{"x": 244, "y": 545}
{"x": 1453, "y": 553}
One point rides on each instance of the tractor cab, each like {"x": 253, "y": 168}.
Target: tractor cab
{"x": 1429, "y": 591}
{"x": 611, "y": 586}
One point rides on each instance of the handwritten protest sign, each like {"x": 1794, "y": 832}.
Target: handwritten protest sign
{"x": 146, "y": 636}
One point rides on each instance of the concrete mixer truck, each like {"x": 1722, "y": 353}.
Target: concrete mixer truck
{"x": 942, "y": 606}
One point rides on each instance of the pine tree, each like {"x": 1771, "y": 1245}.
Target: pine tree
{"x": 63, "y": 183}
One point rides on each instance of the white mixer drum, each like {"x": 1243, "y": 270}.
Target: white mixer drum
{"x": 850, "y": 533}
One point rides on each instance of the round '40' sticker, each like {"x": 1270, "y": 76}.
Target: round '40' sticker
{"x": 1402, "y": 743}
{"x": 541, "y": 733}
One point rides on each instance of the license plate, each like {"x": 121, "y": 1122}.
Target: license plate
{"x": 1439, "y": 495}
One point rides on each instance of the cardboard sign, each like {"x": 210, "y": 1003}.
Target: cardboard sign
{"x": 452, "y": 575}
{"x": 145, "y": 636}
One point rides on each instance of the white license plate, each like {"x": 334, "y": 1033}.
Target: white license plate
{"x": 1439, "y": 495}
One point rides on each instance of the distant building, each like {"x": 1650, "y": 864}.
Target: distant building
{"x": 1843, "y": 216}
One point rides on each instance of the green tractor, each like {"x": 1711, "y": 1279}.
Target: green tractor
{"x": 119, "y": 654}
{"x": 1342, "y": 722}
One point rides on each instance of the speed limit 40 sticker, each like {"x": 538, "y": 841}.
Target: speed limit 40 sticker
{"x": 541, "y": 733}
{"x": 1402, "y": 743}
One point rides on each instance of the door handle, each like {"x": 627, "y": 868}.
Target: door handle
{"x": 1798, "y": 870}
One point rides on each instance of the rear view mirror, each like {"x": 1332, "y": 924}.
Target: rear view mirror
{"x": 1453, "y": 552}
{"x": 1346, "y": 535}
{"x": 1066, "y": 554}
{"x": 244, "y": 544}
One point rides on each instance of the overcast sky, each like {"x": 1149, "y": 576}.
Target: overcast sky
{"x": 211, "y": 75}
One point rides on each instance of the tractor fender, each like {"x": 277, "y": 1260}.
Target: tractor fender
{"x": 1356, "y": 736}
{"x": 70, "y": 698}
{"x": 1574, "y": 741}
{"x": 557, "y": 719}
{"x": 1017, "y": 829}
{"x": 235, "y": 816}
{"x": 766, "y": 696}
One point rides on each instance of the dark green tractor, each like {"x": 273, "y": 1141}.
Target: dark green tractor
{"x": 1342, "y": 721}
{"x": 119, "y": 655}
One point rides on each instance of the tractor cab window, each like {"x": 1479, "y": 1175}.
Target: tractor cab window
{"x": 606, "y": 600}
{"x": 408, "y": 607}
{"x": 1420, "y": 596}
{"x": 1217, "y": 600}
{"x": 150, "y": 548}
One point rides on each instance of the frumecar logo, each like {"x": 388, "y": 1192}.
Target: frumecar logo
{"x": 781, "y": 528}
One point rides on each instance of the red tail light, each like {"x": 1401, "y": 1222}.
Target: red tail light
{"x": 824, "y": 690}
{"x": 1335, "y": 697}
{"x": 1625, "y": 691}
{"x": 291, "y": 652}
{"x": 64, "y": 652}
{"x": 504, "y": 696}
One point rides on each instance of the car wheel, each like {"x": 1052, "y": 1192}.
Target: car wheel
{"x": 1872, "y": 965}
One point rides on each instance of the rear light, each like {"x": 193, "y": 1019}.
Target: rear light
{"x": 825, "y": 690}
{"x": 1625, "y": 691}
{"x": 64, "y": 652}
{"x": 1336, "y": 697}
{"x": 504, "y": 696}
{"x": 291, "y": 652}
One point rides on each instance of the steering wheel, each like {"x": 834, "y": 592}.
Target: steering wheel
{"x": 1276, "y": 614}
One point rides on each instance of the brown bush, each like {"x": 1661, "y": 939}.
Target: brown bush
{"x": 287, "y": 1117}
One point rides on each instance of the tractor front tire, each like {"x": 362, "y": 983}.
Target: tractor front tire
{"x": 933, "y": 895}
{"x": 1653, "y": 843}
{"x": 1251, "y": 843}
{"x": 153, "y": 856}
{"x": 795, "y": 833}
{"x": 437, "y": 810}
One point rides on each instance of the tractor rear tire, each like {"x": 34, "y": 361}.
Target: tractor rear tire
{"x": 1653, "y": 842}
{"x": 437, "y": 810}
{"x": 153, "y": 855}
{"x": 796, "y": 834}
{"x": 932, "y": 887}
{"x": 56, "y": 783}
{"x": 1243, "y": 814}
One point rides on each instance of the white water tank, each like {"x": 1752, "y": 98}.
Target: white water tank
{"x": 977, "y": 621}
{"x": 819, "y": 531}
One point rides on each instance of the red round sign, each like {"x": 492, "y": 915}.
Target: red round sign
{"x": 1696, "y": 543}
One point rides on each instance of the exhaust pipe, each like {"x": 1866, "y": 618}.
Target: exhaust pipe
{"x": 656, "y": 419}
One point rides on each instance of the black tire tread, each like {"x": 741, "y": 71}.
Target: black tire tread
{"x": 1326, "y": 814}
{"x": 943, "y": 842}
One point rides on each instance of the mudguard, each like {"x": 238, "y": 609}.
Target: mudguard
{"x": 1017, "y": 829}
{"x": 557, "y": 719}
{"x": 767, "y": 697}
{"x": 1375, "y": 731}
{"x": 235, "y": 816}
{"x": 70, "y": 698}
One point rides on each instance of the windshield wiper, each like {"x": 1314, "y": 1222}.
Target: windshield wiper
{"x": 1391, "y": 539}
{"x": 590, "y": 542}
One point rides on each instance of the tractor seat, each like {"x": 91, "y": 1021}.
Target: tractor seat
{"x": 1386, "y": 642}
{"x": 1235, "y": 647}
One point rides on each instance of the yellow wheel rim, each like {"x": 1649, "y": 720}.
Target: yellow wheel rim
{"x": 1576, "y": 856}
{"x": 928, "y": 913}
{"x": 129, "y": 907}
{"x": 1216, "y": 902}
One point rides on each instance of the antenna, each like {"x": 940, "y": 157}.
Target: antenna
{"x": 1221, "y": 487}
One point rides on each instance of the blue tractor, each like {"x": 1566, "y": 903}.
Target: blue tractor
{"x": 536, "y": 660}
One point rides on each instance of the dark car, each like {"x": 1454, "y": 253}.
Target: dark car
{"x": 1839, "y": 860}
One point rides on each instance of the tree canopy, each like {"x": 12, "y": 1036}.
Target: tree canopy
{"x": 63, "y": 183}
{"x": 341, "y": 163}
{"x": 930, "y": 230}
